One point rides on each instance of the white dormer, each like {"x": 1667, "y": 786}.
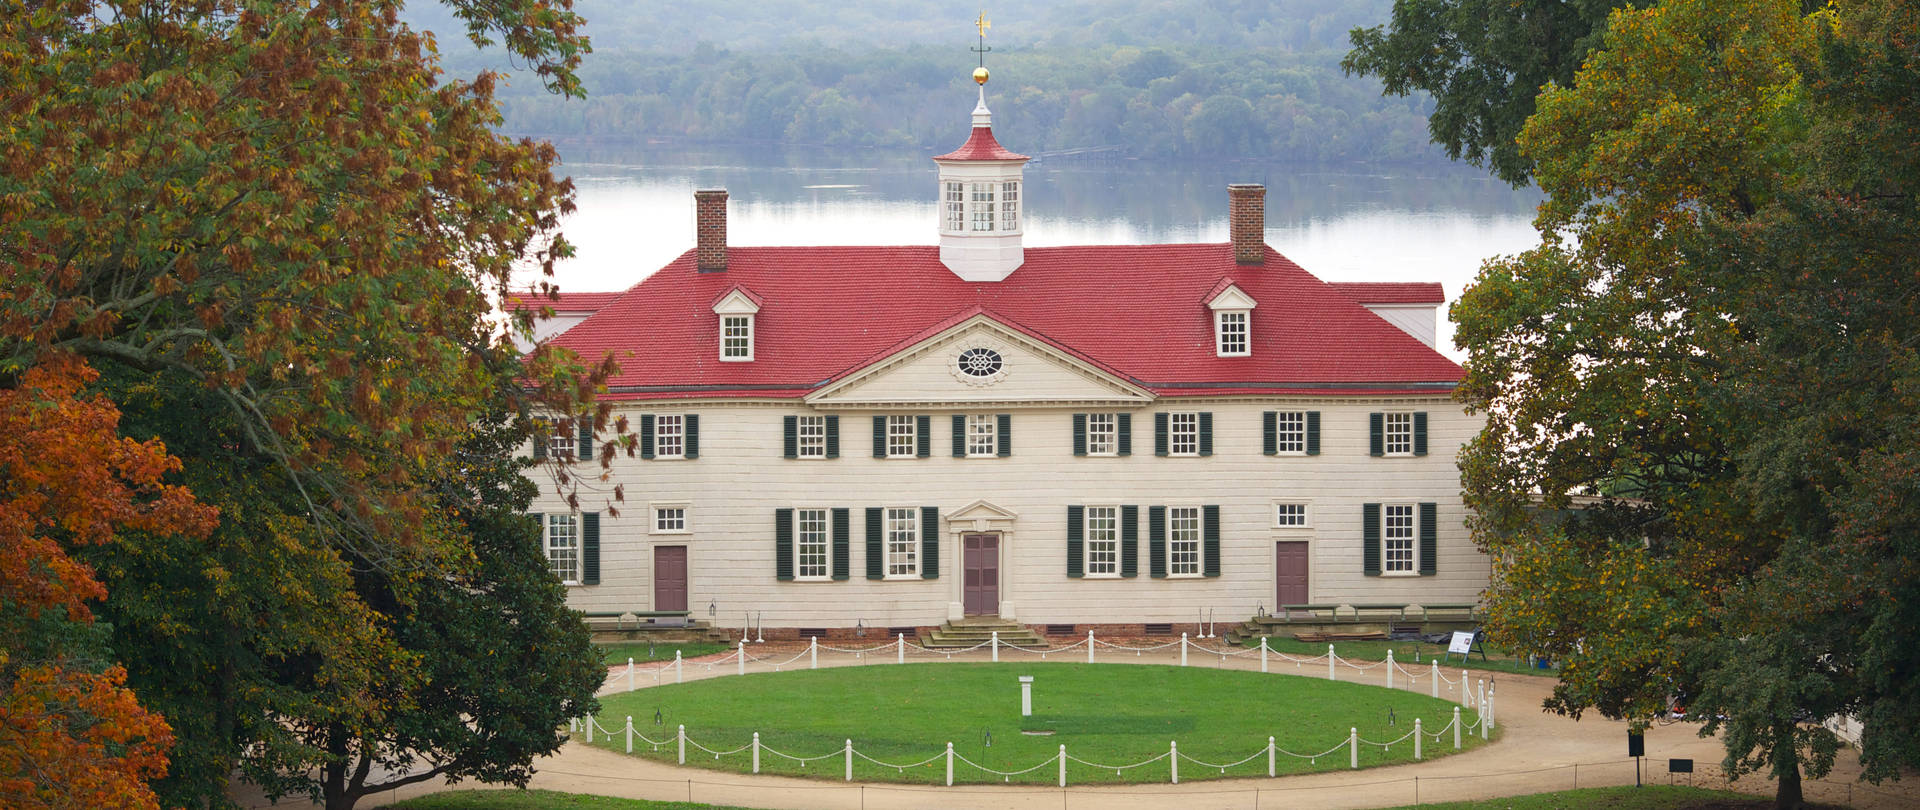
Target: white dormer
{"x": 1232, "y": 321}
{"x": 736, "y": 310}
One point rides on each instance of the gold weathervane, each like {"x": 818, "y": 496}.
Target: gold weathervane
{"x": 981, "y": 24}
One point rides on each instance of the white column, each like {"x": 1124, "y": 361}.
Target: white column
{"x": 1389, "y": 668}
{"x": 681, "y": 735}
{"x": 1026, "y": 696}
{"x": 1173, "y": 760}
{"x": 949, "y": 764}
{"x": 629, "y": 674}
{"x": 1330, "y": 657}
{"x": 679, "y": 672}
{"x": 1183, "y": 649}
{"x": 1489, "y": 707}
{"x": 1466, "y": 698}
{"x": 1480, "y": 699}
{"x": 1436, "y": 678}
{"x": 743, "y": 657}
{"x": 849, "y": 755}
{"x": 1353, "y": 748}
{"x": 1456, "y": 728}
{"x": 996, "y": 646}
{"x": 1269, "y": 756}
{"x": 1263, "y": 658}
{"x": 900, "y": 655}
{"x": 1089, "y": 646}
{"x": 756, "y": 752}
{"x": 1063, "y": 765}
{"x": 813, "y": 653}
{"x": 590, "y": 725}
{"x": 1416, "y": 738}
{"x": 629, "y": 733}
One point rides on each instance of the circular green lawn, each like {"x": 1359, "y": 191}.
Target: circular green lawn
{"x": 1110, "y": 714}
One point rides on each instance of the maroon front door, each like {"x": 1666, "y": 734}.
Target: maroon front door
{"x": 982, "y": 556}
{"x": 669, "y": 577}
{"x": 1289, "y": 573}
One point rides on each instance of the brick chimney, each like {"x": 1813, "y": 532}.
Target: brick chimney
{"x": 710, "y": 230}
{"x": 1247, "y": 221}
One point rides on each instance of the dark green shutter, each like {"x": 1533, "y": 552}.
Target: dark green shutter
{"x": 783, "y": 544}
{"x": 841, "y": 551}
{"x": 1210, "y": 541}
{"x": 1420, "y": 433}
{"x": 1129, "y": 541}
{"x": 583, "y": 447}
{"x": 1126, "y": 434}
{"x": 929, "y": 542}
{"x": 923, "y": 434}
{"x": 876, "y": 528}
{"x": 1004, "y": 429}
{"x": 1313, "y": 433}
{"x": 1157, "y": 542}
{"x": 1206, "y": 433}
{"x": 539, "y": 441}
{"x": 1159, "y": 434}
{"x": 690, "y": 438}
{"x": 1370, "y": 539}
{"x": 590, "y": 548}
{"x": 540, "y": 522}
{"x": 1270, "y": 433}
{"x": 1376, "y": 434}
{"x": 1076, "y": 551}
{"x": 1429, "y": 535}
{"x": 879, "y": 437}
{"x": 1079, "y": 434}
{"x": 790, "y": 427}
{"x": 959, "y": 436}
{"x": 646, "y": 435}
{"x": 833, "y": 437}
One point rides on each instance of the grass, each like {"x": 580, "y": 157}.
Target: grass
{"x": 616, "y": 654}
{"x": 1414, "y": 655}
{"x": 1613, "y": 798}
{"x": 1109, "y": 714}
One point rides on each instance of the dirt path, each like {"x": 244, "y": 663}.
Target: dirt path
{"x": 1537, "y": 752}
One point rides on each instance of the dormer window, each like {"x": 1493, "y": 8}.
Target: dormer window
{"x": 736, "y": 310}
{"x": 1232, "y": 320}
{"x": 1010, "y": 205}
{"x": 982, "y": 208}
{"x": 956, "y": 206}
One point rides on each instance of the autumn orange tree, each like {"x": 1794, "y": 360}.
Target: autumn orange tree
{"x": 71, "y": 734}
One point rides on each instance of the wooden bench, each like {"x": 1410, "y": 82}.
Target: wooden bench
{"x": 1307, "y": 613}
{"x": 661, "y": 618}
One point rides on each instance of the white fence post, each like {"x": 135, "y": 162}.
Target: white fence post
{"x": 1436, "y": 678}
{"x": 1480, "y": 699}
{"x": 949, "y": 764}
{"x": 996, "y": 646}
{"x": 1063, "y": 764}
{"x": 629, "y": 733}
{"x": 1173, "y": 759}
{"x": 629, "y": 673}
{"x": 1183, "y": 649}
{"x": 756, "y": 752}
{"x": 1089, "y": 646}
{"x": 1389, "y": 668}
{"x": 1489, "y": 706}
{"x": 813, "y": 652}
{"x": 1269, "y": 757}
{"x": 1263, "y": 658}
{"x": 1353, "y": 748}
{"x": 681, "y": 735}
{"x": 590, "y": 725}
{"x": 901, "y": 655}
{"x": 849, "y": 753}
{"x": 1483, "y": 726}
{"x": 1456, "y": 728}
{"x": 679, "y": 672}
{"x": 1416, "y": 738}
{"x": 1466, "y": 697}
{"x": 743, "y": 657}
{"x": 1330, "y": 657}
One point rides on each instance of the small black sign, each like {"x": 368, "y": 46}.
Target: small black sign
{"x": 1636, "y": 744}
{"x": 1679, "y": 766}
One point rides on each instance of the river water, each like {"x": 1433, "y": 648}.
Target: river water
{"x": 1429, "y": 223}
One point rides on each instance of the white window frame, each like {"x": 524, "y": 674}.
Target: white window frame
{"x": 1397, "y": 431}
{"x": 1290, "y": 433}
{"x": 981, "y": 213}
{"x": 1183, "y": 422}
{"x": 902, "y": 526}
{"x": 903, "y": 431}
{"x": 560, "y": 443}
{"x": 982, "y": 435}
{"x": 811, "y": 437}
{"x": 1233, "y": 332}
{"x": 1177, "y": 517}
{"x": 736, "y": 339}
{"x": 1103, "y": 430}
{"x": 660, "y": 522}
{"x": 805, "y": 537}
{"x": 955, "y": 195}
{"x": 1305, "y": 508}
{"x": 678, "y": 434}
{"x": 1100, "y": 537}
{"x": 1010, "y": 205}
{"x": 1410, "y": 554}
{"x": 560, "y": 539}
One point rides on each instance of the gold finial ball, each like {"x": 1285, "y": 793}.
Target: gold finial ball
{"x": 979, "y": 75}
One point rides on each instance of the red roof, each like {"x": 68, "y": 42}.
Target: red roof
{"x": 564, "y": 302}
{"x": 1392, "y": 292}
{"x": 981, "y": 146}
{"x": 1138, "y": 311}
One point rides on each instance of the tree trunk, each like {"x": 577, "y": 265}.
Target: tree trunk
{"x": 1786, "y": 771}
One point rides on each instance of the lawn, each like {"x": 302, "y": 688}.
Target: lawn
{"x": 1613, "y": 798}
{"x": 1414, "y": 655}
{"x": 1113, "y": 715}
{"x": 617, "y": 654}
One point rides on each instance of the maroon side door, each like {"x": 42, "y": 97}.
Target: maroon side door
{"x": 669, "y": 577}
{"x": 1289, "y": 573}
{"x": 982, "y": 573}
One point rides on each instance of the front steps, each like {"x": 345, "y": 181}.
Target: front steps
{"x": 960, "y": 634}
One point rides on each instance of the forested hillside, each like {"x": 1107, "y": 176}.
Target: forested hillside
{"x": 1175, "y": 78}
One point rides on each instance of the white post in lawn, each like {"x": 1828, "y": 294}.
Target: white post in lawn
{"x": 949, "y": 764}
{"x": 1456, "y": 728}
{"x": 900, "y": 655}
{"x": 1353, "y": 748}
{"x": 1436, "y": 678}
{"x": 629, "y": 733}
{"x": 1063, "y": 764}
{"x": 743, "y": 657}
{"x": 1026, "y": 696}
{"x": 996, "y": 646}
{"x": 1480, "y": 699}
{"x": 681, "y": 735}
{"x": 813, "y": 652}
{"x": 1330, "y": 657}
{"x": 1183, "y": 649}
{"x": 756, "y": 752}
{"x": 679, "y": 672}
{"x": 849, "y": 754}
{"x": 1269, "y": 757}
{"x": 1416, "y": 738}
{"x": 590, "y": 728}
{"x": 1466, "y": 698}
{"x": 1089, "y": 646}
{"x": 629, "y": 673}
{"x": 1263, "y": 657}
{"x": 1389, "y": 668}
{"x": 1173, "y": 759}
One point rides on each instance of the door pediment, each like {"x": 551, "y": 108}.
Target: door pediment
{"x": 975, "y": 362}
{"x": 981, "y": 516}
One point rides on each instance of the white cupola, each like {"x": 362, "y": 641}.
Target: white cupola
{"x": 980, "y": 191}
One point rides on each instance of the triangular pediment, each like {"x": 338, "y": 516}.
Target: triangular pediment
{"x": 979, "y": 361}
{"x": 982, "y": 510}
{"x": 1230, "y": 296}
